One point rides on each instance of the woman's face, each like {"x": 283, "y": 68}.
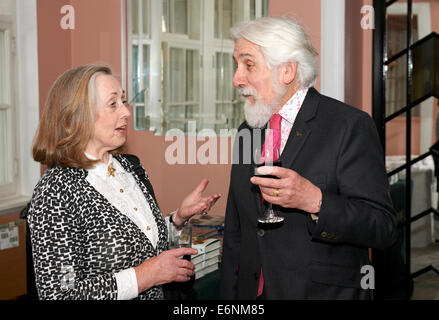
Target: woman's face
{"x": 111, "y": 117}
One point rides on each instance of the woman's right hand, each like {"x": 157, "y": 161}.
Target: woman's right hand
{"x": 164, "y": 268}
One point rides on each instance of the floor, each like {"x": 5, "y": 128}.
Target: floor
{"x": 426, "y": 286}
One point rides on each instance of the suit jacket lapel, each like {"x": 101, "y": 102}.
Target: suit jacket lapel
{"x": 298, "y": 135}
{"x": 301, "y": 129}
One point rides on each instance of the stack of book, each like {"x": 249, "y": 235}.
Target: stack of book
{"x": 208, "y": 257}
{"x": 209, "y": 225}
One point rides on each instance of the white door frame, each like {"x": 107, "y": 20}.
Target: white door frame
{"x": 332, "y": 57}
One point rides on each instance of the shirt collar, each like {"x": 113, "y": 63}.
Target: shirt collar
{"x": 290, "y": 109}
{"x": 100, "y": 168}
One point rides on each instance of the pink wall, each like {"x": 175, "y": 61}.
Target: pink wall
{"x": 358, "y": 52}
{"x": 54, "y": 45}
{"x": 93, "y": 40}
{"x": 358, "y": 58}
{"x": 358, "y": 61}
{"x": 97, "y": 34}
{"x": 307, "y": 13}
{"x": 396, "y": 136}
{"x": 97, "y": 37}
{"x": 173, "y": 182}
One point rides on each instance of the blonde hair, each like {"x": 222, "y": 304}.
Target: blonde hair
{"x": 67, "y": 122}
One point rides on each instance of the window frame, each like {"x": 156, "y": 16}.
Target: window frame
{"x": 10, "y": 189}
{"x": 22, "y": 19}
{"x": 167, "y": 46}
{"x": 156, "y": 103}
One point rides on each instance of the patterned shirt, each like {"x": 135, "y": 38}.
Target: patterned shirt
{"x": 122, "y": 191}
{"x": 289, "y": 113}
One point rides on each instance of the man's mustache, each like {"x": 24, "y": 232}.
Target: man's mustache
{"x": 248, "y": 92}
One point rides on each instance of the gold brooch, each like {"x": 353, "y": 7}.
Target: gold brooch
{"x": 111, "y": 170}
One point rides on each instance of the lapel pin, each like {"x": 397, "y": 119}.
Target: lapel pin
{"x": 298, "y": 133}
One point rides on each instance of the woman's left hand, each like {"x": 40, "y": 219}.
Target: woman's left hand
{"x": 194, "y": 204}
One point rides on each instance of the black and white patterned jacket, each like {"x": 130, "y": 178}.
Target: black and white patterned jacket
{"x": 79, "y": 240}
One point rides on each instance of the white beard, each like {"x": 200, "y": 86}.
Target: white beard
{"x": 258, "y": 114}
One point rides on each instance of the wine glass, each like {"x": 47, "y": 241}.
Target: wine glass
{"x": 269, "y": 158}
{"x": 181, "y": 238}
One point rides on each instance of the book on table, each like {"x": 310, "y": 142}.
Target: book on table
{"x": 205, "y": 267}
{"x": 208, "y": 256}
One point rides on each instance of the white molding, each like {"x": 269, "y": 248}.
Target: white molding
{"x": 155, "y": 71}
{"x": 27, "y": 93}
{"x": 123, "y": 41}
{"x": 332, "y": 48}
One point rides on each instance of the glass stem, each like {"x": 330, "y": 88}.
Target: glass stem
{"x": 270, "y": 210}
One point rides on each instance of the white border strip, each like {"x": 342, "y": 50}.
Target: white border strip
{"x": 28, "y": 94}
{"x": 332, "y": 48}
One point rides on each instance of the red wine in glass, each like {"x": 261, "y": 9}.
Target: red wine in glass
{"x": 267, "y": 160}
{"x": 276, "y": 163}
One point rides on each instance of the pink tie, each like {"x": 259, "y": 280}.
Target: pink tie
{"x": 272, "y": 140}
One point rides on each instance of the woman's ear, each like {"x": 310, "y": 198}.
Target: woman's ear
{"x": 287, "y": 72}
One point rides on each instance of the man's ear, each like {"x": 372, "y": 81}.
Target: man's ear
{"x": 287, "y": 72}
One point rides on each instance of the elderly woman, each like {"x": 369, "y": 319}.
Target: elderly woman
{"x": 96, "y": 229}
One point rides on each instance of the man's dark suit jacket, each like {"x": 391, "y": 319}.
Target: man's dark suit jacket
{"x": 337, "y": 148}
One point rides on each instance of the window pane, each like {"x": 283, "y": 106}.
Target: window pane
{"x": 140, "y": 118}
{"x": 191, "y": 111}
{"x": 135, "y": 16}
{"x": 238, "y": 115}
{"x": 220, "y": 116}
{"x": 180, "y": 77}
{"x": 194, "y": 20}
{"x": 177, "y": 112}
{"x": 224, "y": 75}
{"x": 4, "y": 73}
{"x": 227, "y": 18}
{"x": 252, "y": 10}
{"x": 177, "y": 75}
{"x": 193, "y": 70}
{"x": 176, "y": 125}
{"x": 396, "y": 32}
{"x": 145, "y": 71}
{"x": 217, "y": 18}
{"x": 5, "y": 165}
{"x": 396, "y": 85}
{"x": 179, "y": 115}
{"x": 180, "y": 17}
{"x": 223, "y": 18}
{"x": 219, "y": 75}
{"x": 165, "y": 16}
{"x": 145, "y": 17}
{"x": 136, "y": 78}
{"x": 265, "y": 7}
{"x": 223, "y": 115}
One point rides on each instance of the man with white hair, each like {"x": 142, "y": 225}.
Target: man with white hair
{"x": 332, "y": 189}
